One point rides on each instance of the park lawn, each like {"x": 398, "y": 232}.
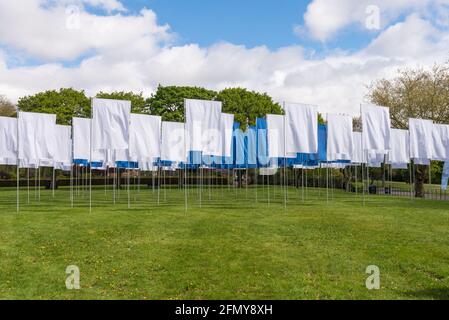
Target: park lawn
{"x": 239, "y": 244}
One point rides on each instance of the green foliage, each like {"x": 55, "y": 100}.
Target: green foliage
{"x": 415, "y": 93}
{"x": 247, "y": 105}
{"x": 7, "y": 108}
{"x": 65, "y": 103}
{"x": 320, "y": 119}
{"x": 168, "y": 102}
{"x": 138, "y": 103}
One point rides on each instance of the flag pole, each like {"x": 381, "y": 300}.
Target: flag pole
{"x": 18, "y": 164}
{"x": 71, "y": 166}
{"x": 187, "y": 157}
{"x": 285, "y": 160}
{"x": 90, "y": 156}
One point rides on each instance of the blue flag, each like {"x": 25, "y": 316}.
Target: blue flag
{"x": 445, "y": 176}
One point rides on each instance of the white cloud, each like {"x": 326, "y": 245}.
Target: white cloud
{"x": 134, "y": 52}
{"x": 325, "y": 18}
{"x": 60, "y": 33}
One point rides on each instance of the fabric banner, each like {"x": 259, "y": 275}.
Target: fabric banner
{"x": 25, "y": 164}
{"x": 399, "y": 166}
{"x": 301, "y": 128}
{"x": 37, "y": 133}
{"x": 445, "y": 176}
{"x": 81, "y": 138}
{"x": 276, "y": 137}
{"x": 63, "y": 139}
{"x": 173, "y": 142}
{"x": 81, "y": 142}
{"x": 421, "y": 139}
{"x": 121, "y": 155}
{"x": 440, "y": 142}
{"x": 339, "y": 137}
{"x": 203, "y": 126}
{"x": 227, "y": 123}
{"x": 262, "y": 142}
{"x": 424, "y": 162}
{"x": 400, "y": 147}
{"x": 111, "y": 120}
{"x": 239, "y": 154}
{"x": 145, "y": 137}
{"x": 8, "y": 140}
{"x": 357, "y": 152}
{"x": 376, "y": 128}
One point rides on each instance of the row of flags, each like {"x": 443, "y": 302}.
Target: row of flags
{"x": 210, "y": 137}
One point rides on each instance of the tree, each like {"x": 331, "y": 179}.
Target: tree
{"x": 65, "y": 103}
{"x": 247, "y": 105}
{"x": 7, "y": 109}
{"x": 138, "y": 102}
{"x": 168, "y": 102}
{"x": 416, "y": 93}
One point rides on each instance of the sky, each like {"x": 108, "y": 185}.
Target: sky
{"x": 321, "y": 52}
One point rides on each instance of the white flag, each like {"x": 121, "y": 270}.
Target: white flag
{"x": 301, "y": 128}
{"x": 63, "y": 139}
{"x": 203, "y": 126}
{"x": 420, "y": 139}
{"x": 339, "y": 137}
{"x": 111, "y": 120}
{"x": 173, "y": 144}
{"x": 145, "y": 137}
{"x": 37, "y": 133}
{"x": 8, "y": 140}
{"x": 376, "y": 125}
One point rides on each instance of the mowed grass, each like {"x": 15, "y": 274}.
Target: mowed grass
{"x": 239, "y": 244}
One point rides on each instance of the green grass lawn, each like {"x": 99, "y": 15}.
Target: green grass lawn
{"x": 239, "y": 244}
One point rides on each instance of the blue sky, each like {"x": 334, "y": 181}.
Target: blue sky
{"x": 243, "y": 22}
{"x": 116, "y": 45}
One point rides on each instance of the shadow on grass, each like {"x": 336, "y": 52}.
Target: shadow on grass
{"x": 434, "y": 293}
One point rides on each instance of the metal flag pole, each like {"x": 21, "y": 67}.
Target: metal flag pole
{"x": 187, "y": 158}
{"x": 165, "y": 185}
{"x": 306, "y": 184}
{"x": 114, "y": 183}
{"x": 71, "y": 167}
{"x": 367, "y": 173}
{"x": 302, "y": 183}
{"x": 159, "y": 183}
{"x": 71, "y": 185}
{"x": 106, "y": 176}
{"x": 361, "y": 146}
{"x": 285, "y": 159}
{"x": 39, "y": 181}
{"x": 414, "y": 179}
{"x": 255, "y": 181}
{"x": 35, "y": 184}
{"x": 18, "y": 165}
{"x": 128, "y": 183}
{"x": 327, "y": 182}
{"x": 90, "y": 157}
{"x": 28, "y": 184}
{"x": 53, "y": 181}
{"x": 430, "y": 180}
